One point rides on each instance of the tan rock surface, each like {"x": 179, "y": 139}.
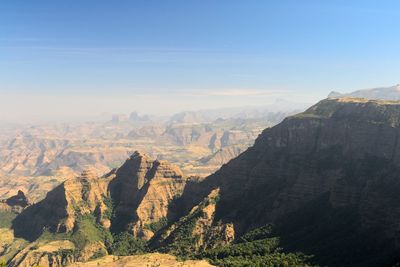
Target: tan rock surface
{"x": 57, "y": 212}
{"x": 43, "y": 253}
{"x": 143, "y": 189}
{"x": 146, "y": 260}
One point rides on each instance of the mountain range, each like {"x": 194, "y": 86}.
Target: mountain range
{"x": 319, "y": 188}
{"x": 37, "y": 158}
{"x": 379, "y": 93}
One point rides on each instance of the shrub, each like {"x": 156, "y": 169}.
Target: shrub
{"x": 156, "y": 226}
{"x": 256, "y": 248}
{"x": 126, "y": 244}
{"x": 6, "y": 218}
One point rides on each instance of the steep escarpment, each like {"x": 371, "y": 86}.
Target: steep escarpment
{"x": 326, "y": 178}
{"x": 142, "y": 190}
{"x": 324, "y": 182}
{"x": 223, "y": 155}
{"x": 133, "y": 200}
{"x": 58, "y": 212}
{"x": 196, "y": 231}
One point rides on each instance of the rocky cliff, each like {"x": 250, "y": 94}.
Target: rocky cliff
{"x": 142, "y": 190}
{"x": 326, "y": 178}
{"x": 58, "y": 212}
{"x": 137, "y": 196}
{"x": 134, "y": 198}
{"x": 325, "y": 181}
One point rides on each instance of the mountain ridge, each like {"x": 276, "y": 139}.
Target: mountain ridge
{"x": 335, "y": 151}
{"x": 379, "y": 93}
{"x": 323, "y": 182}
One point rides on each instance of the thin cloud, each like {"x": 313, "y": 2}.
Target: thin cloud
{"x": 239, "y": 92}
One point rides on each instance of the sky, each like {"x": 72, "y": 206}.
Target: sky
{"x": 74, "y": 59}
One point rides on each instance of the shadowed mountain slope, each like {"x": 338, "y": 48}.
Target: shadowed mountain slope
{"x": 328, "y": 179}
{"x": 324, "y": 182}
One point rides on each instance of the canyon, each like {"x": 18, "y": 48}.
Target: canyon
{"x": 319, "y": 188}
{"x": 37, "y": 158}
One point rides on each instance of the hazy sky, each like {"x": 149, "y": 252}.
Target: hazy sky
{"x": 79, "y": 58}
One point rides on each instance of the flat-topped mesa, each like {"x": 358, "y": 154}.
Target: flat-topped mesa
{"x": 356, "y": 109}
{"x": 383, "y": 93}
{"x": 142, "y": 190}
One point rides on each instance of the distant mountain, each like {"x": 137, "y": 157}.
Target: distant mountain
{"x": 326, "y": 179}
{"x": 383, "y": 93}
{"x": 189, "y": 117}
{"x": 37, "y": 158}
{"x": 278, "y": 109}
{"x": 135, "y": 117}
{"x": 118, "y": 118}
{"x": 323, "y": 183}
{"x": 223, "y": 155}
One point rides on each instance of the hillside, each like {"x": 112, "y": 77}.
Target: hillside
{"x": 327, "y": 179}
{"x": 132, "y": 199}
{"x": 320, "y": 188}
{"x": 36, "y": 159}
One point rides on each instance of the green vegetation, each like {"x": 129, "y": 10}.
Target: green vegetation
{"x": 126, "y": 244}
{"x": 6, "y": 218}
{"x": 156, "y": 226}
{"x": 256, "y": 248}
{"x": 108, "y": 214}
{"x": 98, "y": 254}
{"x": 86, "y": 187}
{"x": 182, "y": 238}
{"x": 213, "y": 200}
{"x": 47, "y": 235}
{"x": 257, "y": 234}
{"x": 88, "y": 231}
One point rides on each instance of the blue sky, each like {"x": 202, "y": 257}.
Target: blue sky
{"x": 207, "y": 53}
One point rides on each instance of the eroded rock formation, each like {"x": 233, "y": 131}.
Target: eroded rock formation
{"x": 327, "y": 179}
{"x": 142, "y": 190}
{"x": 59, "y": 210}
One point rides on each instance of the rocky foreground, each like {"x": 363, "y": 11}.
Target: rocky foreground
{"x": 146, "y": 260}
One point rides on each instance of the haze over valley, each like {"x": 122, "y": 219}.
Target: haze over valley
{"x": 199, "y": 133}
{"x": 37, "y": 158}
